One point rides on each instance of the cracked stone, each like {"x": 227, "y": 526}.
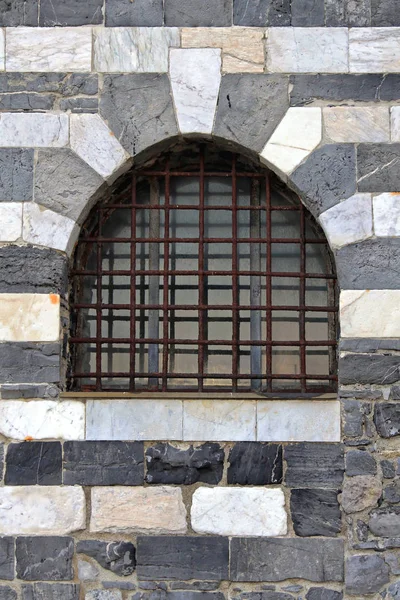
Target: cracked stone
{"x": 44, "y": 558}
{"x": 315, "y": 512}
{"x": 365, "y": 574}
{"x": 387, "y": 419}
{"x": 254, "y": 463}
{"x": 24, "y": 269}
{"x": 360, "y": 462}
{"x": 23, "y": 361}
{"x": 74, "y": 12}
{"x": 378, "y": 167}
{"x": 141, "y": 13}
{"x": 118, "y": 557}
{"x": 369, "y": 369}
{"x": 14, "y": 13}
{"x": 7, "y": 558}
{"x": 261, "y": 13}
{"x": 360, "y": 492}
{"x": 34, "y": 463}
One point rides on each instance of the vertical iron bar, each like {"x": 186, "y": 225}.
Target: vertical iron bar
{"x": 302, "y": 298}
{"x": 99, "y": 249}
{"x": 268, "y": 283}
{"x": 132, "y": 350}
{"x": 165, "y": 278}
{"x": 235, "y": 282}
{"x": 255, "y": 286}
{"x": 154, "y": 282}
{"x": 201, "y": 313}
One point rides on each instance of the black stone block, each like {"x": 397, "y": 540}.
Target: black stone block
{"x": 385, "y": 13}
{"x": 80, "y": 105}
{"x": 308, "y": 13}
{"x": 50, "y": 591}
{"x": 387, "y": 419}
{"x": 315, "y": 512}
{"x": 141, "y": 13}
{"x": 377, "y": 369}
{"x": 74, "y": 12}
{"x": 118, "y": 557}
{"x": 263, "y": 559}
{"x": 44, "y": 557}
{"x": 192, "y": 13}
{"x": 26, "y": 101}
{"x": 170, "y": 465}
{"x": 314, "y": 465}
{"x": 261, "y": 13}
{"x": 182, "y": 557}
{"x": 34, "y": 463}
{"x": 24, "y": 361}
{"x": 16, "y": 174}
{"x": 371, "y": 264}
{"x": 347, "y": 13}
{"x": 254, "y": 463}
{"x": 26, "y": 390}
{"x": 14, "y": 13}
{"x": 365, "y": 574}
{"x": 65, "y": 84}
{"x": 24, "y": 269}
{"x": 377, "y": 167}
{"x": 360, "y": 462}
{"x": 103, "y": 463}
{"x": 7, "y": 593}
{"x": 368, "y": 345}
{"x": 7, "y": 558}
{"x": 321, "y": 593}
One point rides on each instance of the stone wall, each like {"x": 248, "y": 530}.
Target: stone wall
{"x": 175, "y": 498}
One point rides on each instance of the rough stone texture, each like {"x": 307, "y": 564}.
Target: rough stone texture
{"x": 11, "y": 391}
{"x": 34, "y": 463}
{"x": 374, "y": 50}
{"x": 377, "y": 167}
{"x": 24, "y": 361}
{"x": 64, "y": 84}
{"x": 384, "y": 14}
{"x": 353, "y": 418}
{"x": 360, "y": 492}
{"x": 352, "y": 13}
{"x": 371, "y": 264}
{"x": 326, "y": 177}
{"x": 7, "y": 593}
{"x": 51, "y": 591}
{"x": 263, "y": 596}
{"x": 65, "y": 183}
{"x": 391, "y": 493}
{"x": 388, "y": 469}
{"x": 308, "y": 13}
{"x": 74, "y": 12}
{"x": 250, "y": 107}
{"x": 369, "y": 369}
{"x": 169, "y": 465}
{"x": 103, "y": 463}
{"x": 321, "y": 593}
{"x": 139, "y": 109}
{"x": 141, "y": 13}
{"x": 16, "y": 174}
{"x": 147, "y": 510}
{"x": 365, "y": 574}
{"x": 365, "y": 313}
{"x": 315, "y": 512}
{"x": 80, "y": 105}
{"x": 1, "y": 460}
{"x": 314, "y": 465}
{"x": 258, "y": 559}
{"x": 103, "y": 595}
{"x": 7, "y": 549}
{"x": 48, "y": 558}
{"x": 118, "y": 557}
{"x": 87, "y": 571}
{"x": 349, "y": 221}
{"x": 253, "y": 463}
{"x": 44, "y": 227}
{"x": 385, "y": 522}
{"x": 184, "y": 558}
{"x": 19, "y": 102}
{"x": 370, "y": 346}
{"x": 210, "y": 13}
{"x": 359, "y": 462}
{"x": 32, "y": 270}
{"x": 394, "y": 591}
{"x": 18, "y": 12}
{"x": 261, "y": 13}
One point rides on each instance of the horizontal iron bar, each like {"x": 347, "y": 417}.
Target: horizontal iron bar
{"x": 196, "y": 342}
{"x": 197, "y": 307}
{"x": 206, "y": 376}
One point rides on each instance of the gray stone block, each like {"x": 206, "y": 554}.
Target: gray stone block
{"x": 204, "y": 586}
{"x": 254, "y": 463}
{"x": 16, "y": 174}
{"x": 7, "y": 545}
{"x": 360, "y": 462}
{"x": 348, "y": 13}
{"x": 261, "y": 13}
{"x": 80, "y": 105}
{"x": 365, "y": 574}
{"x": 25, "y": 269}
{"x": 377, "y": 369}
{"x": 388, "y": 469}
{"x": 44, "y": 557}
{"x": 353, "y": 418}
{"x": 378, "y": 167}
{"x": 50, "y": 591}
{"x": 103, "y": 463}
{"x": 178, "y": 557}
{"x": 385, "y": 14}
{"x": 14, "y": 13}
{"x": 163, "y": 595}
{"x": 326, "y": 177}
{"x": 74, "y": 12}
{"x": 250, "y": 107}
{"x": 315, "y": 512}
{"x": 118, "y": 557}
{"x": 314, "y": 465}
{"x": 65, "y": 183}
{"x": 263, "y": 559}
{"x": 394, "y": 591}
{"x": 139, "y": 109}
{"x": 27, "y": 390}
{"x": 308, "y": 13}
{"x": 26, "y": 101}
{"x": 372, "y": 264}
{"x": 141, "y": 13}
{"x": 395, "y": 390}
{"x": 387, "y": 419}
{"x": 34, "y": 463}
{"x": 391, "y": 493}
{"x": 24, "y": 361}
{"x": 269, "y": 595}
{"x": 7, "y": 593}
{"x": 321, "y": 593}
{"x": 66, "y": 84}
{"x": 368, "y": 345}
{"x": 208, "y": 13}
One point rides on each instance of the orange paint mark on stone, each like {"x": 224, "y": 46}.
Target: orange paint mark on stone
{"x": 54, "y": 298}
{"x": 28, "y": 438}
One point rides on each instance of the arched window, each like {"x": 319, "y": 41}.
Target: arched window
{"x": 203, "y": 272}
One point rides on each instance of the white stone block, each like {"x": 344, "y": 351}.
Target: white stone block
{"x": 44, "y": 227}
{"x": 374, "y": 49}
{"x": 2, "y": 50}
{"x": 357, "y": 123}
{"x": 298, "y": 421}
{"x": 195, "y": 80}
{"x": 296, "y": 136}
{"x": 370, "y": 313}
{"x": 10, "y": 221}
{"x": 40, "y": 130}
{"x": 134, "y": 420}
{"x": 387, "y": 215}
{"x": 42, "y": 419}
{"x": 29, "y": 317}
{"x": 41, "y": 510}
{"x": 219, "y": 420}
{"x": 138, "y": 510}
{"x": 395, "y": 123}
{"x": 256, "y": 511}
{"x": 349, "y": 221}
{"x": 307, "y": 50}
{"x": 133, "y": 49}
{"x": 95, "y": 143}
{"x": 52, "y": 49}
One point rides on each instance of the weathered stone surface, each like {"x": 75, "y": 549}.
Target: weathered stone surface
{"x": 239, "y": 511}
{"x": 48, "y": 558}
{"x": 219, "y": 420}
{"x": 394, "y": 591}
{"x": 258, "y": 559}
{"x": 263, "y": 596}
{"x": 103, "y": 595}
{"x": 365, "y": 574}
{"x": 20, "y": 362}
{"x": 357, "y": 124}
{"x": 29, "y": 317}
{"x": 360, "y": 492}
{"x": 388, "y": 469}
{"x": 308, "y": 13}
{"x": 360, "y": 462}
{"x": 51, "y": 591}
{"x": 75, "y": 12}
{"x": 142, "y": 13}
{"x": 391, "y": 493}
{"x": 250, "y": 107}
{"x": 326, "y": 177}
{"x": 65, "y": 84}
{"x": 369, "y": 346}
{"x": 19, "y": 12}
{"x": 353, "y": 418}
{"x": 147, "y": 510}
{"x": 103, "y": 463}
{"x": 210, "y": 13}
{"x": 385, "y": 522}
{"x": 34, "y": 463}
{"x": 65, "y": 183}
{"x": 378, "y": 167}
{"x": 27, "y": 269}
{"x": 253, "y": 463}
{"x": 7, "y": 549}
{"x": 7, "y": 593}
{"x": 139, "y": 109}
{"x": 261, "y": 13}
{"x": 10, "y": 221}
{"x": 170, "y": 465}
{"x": 321, "y": 593}
{"x": 384, "y": 14}
{"x": 87, "y": 571}
{"x": 118, "y": 557}
{"x": 41, "y": 510}
{"x": 395, "y": 390}
{"x": 195, "y": 585}
{"x": 352, "y": 13}
{"x": 386, "y": 214}
{"x": 315, "y": 512}
{"x": 1, "y": 461}
{"x": 33, "y": 130}
{"x": 393, "y": 560}
{"x": 16, "y": 174}
{"x": 369, "y": 368}
{"x": 369, "y": 313}
{"x": 314, "y": 465}
{"x": 349, "y": 221}
{"x": 44, "y": 227}
{"x": 387, "y": 417}
{"x": 80, "y": 105}
{"x": 371, "y": 264}
{"x": 374, "y": 50}
{"x": 184, "y": 558}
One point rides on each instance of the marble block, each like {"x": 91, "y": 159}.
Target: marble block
{"x": 219, "y": 420}
{"x": 370, "y": 313}
{"x": 374, "y": 50}
{"x": 29, "y": 317}
{"x": 10, "y": 221}
{"x": 387, "y": 215}
{"x": 38, "y": 130}
{"x": 357, "y": 124}
{"x": 44, "y": 227}
{"x": 349, "y": 221}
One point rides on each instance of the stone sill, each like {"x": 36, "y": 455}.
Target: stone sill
{"x": 145, "y": 395}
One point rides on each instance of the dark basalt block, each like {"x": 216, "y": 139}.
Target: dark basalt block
{"x": 34, "y": 463}
{"x": 255, "y": 463}
{"x": 44, "y": 557}
{"x": 25, "y": 269}
{"x": 366, "y": 574}
{"x": 118, "y": 557}
{"x": 23, "y": 361}
{"x": 7, "y": 545}
{"x": 314, "y": 465}
{"x": 315, "y": 512}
